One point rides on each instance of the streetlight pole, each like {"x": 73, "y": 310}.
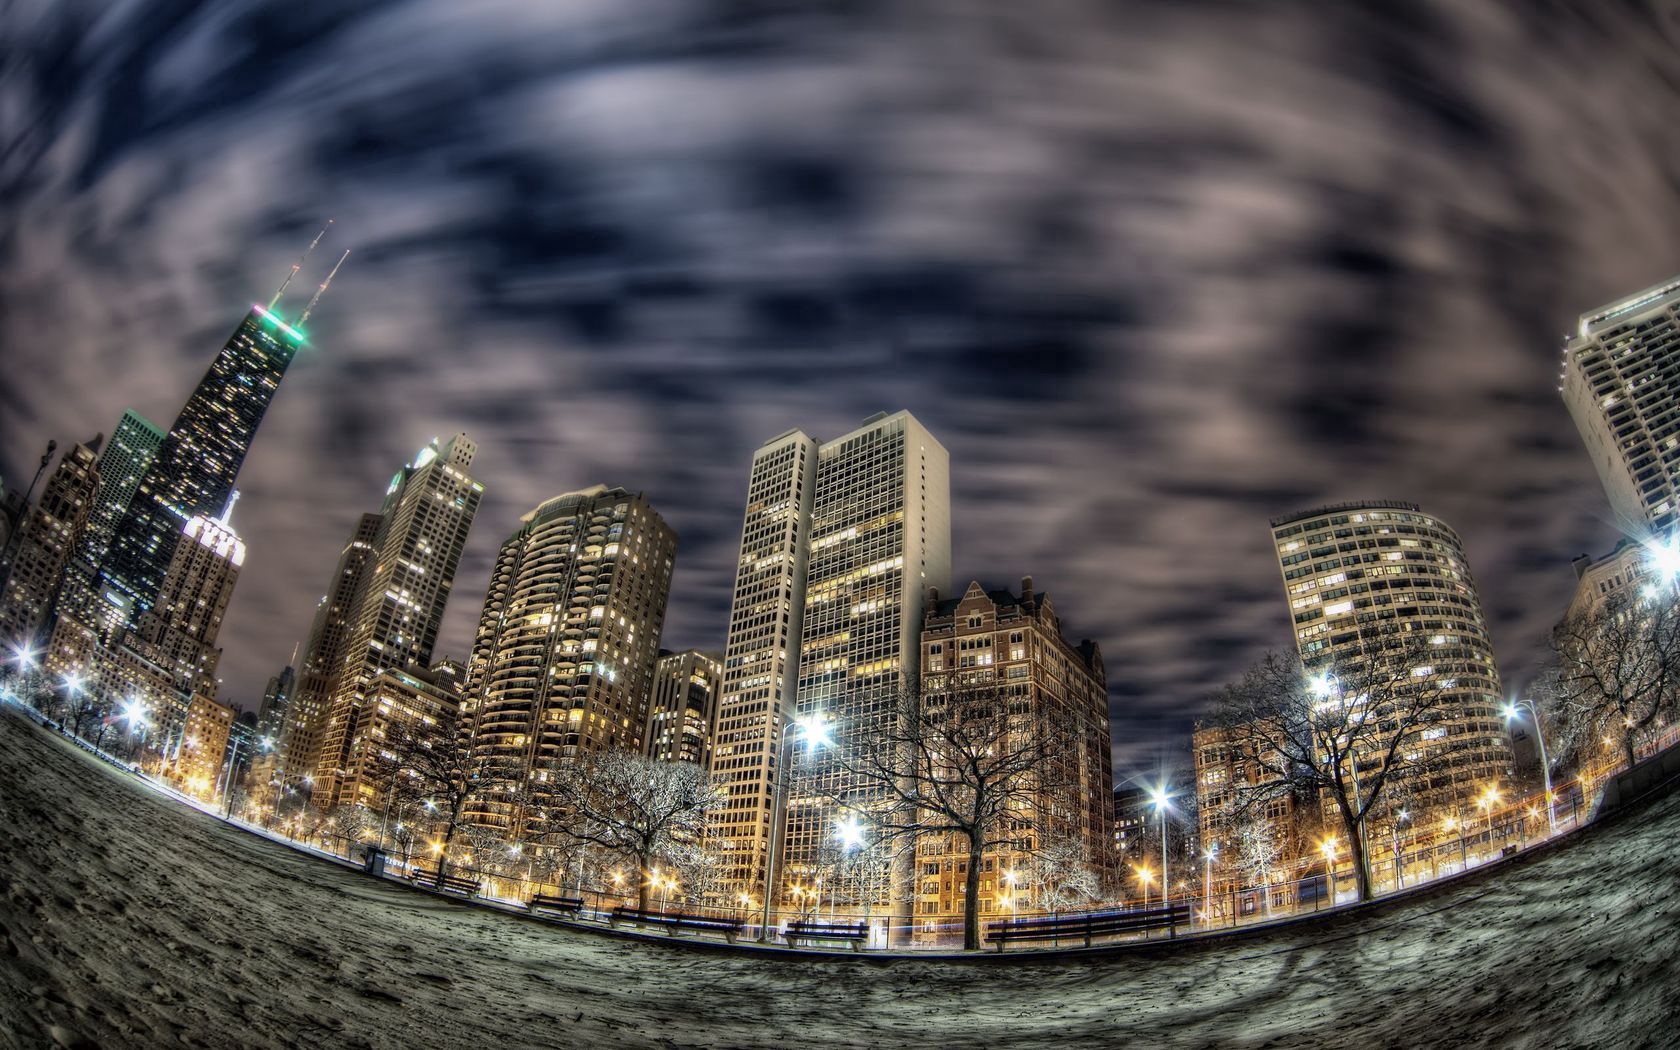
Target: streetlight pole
{"x": 1514, "y": 710}
{"x": 1207, "y": 884}
{"x": 816, "y": 734}
{"x": 1161, "y": 799}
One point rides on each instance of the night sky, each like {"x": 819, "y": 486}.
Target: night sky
{"x": 1153, "y": 272}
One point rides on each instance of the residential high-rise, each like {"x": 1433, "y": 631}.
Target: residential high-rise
{"x": 425, "y": 701}
{"x": 997, "y": 640}
{"x": 428, "y": 510}
{"x": 1621, "y": 573}
{"x": 1621, "y": 383}
{"x": 1352, "y": 570}
{"x": 44, "y": 544}
{"x": 761, "y": 659}
{"x": 323, "y": 655}
{"x": 562, "y": 664}
{"x": 684, "y": 707}
{"x": 181, "y": 627}
{"x": 880, "y": 537}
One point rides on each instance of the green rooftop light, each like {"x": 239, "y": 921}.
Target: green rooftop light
{"x": 283, "y": 326}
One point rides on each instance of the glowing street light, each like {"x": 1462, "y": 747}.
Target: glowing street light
{"x": 1145, "y": 876}
{"x": 1161, "y": 799}
{"x": 1328, "y": 848}
{"x": 1209, "y": 855}
{"x": 1664, "y": 558}
{"x": 1513, "y": 712}
{"x": 813, "y": 728}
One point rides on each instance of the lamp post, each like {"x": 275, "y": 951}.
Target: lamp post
{"x": 815, "y": 731}
{"x": 1489, "y": 799}
{"x": 1513, "y": 712}
{"x": 1328, "y": 848}
{"x": 1208, "y": 856}
{"x": 1161, "y": 800}
{"x": 1011, "y": 878}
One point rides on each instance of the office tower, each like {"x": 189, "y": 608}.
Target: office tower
{"x": 998, "y": 640}
{"x": 45, "y": 542}
{"x": 181, "y": 627}
{"x": 761, "y": 658}
{"x": 122, "y": 462}
{"x": 1359, "y": 574}
{"x": 562, "y": 664}
{"x": 428, "y": 510}
{"x": 1621, "y": 383}
{"x": 323, "y": 655}
{"x": 277, "y": 697}
{"x": 880, "y": 537}
{"x": 684, "y": 707}
{"x": 195, "y": 467}
{"x": 195, "y": 762}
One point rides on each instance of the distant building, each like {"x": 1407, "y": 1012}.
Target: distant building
{"x": 305, "y": 721}
{"x": 1014, "y": 642}
{"x": 428, "y": 510}
{"x": 1620, "y": 381}
{"x": 1131, "y": 819}
{"x": 1229, "y": 777}
{"x": 1353, "y": 569}
{"x": 562, "y": 665}
{"x": 200, "y": 753}
{"x": 684, "y": 707}
{"x": 1625, "y": 570}
{"x": 45, "y": 542}
{"x": 122, "y": 462}
{"x": 182, "y": 625}
{"x": 424, "y": 702}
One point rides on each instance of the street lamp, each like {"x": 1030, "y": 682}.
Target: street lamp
{"x": 1208, "y": 856}
{"x": 1161, "y": 799}
{"x": 1489, "y": 799}
{"x": 1328, "y": 848}
{"x": 1144, "y": 877}
{"x": 1513, "y": 712}
{"x": 813, "y": 729}
{"x": 1010, "y": 877}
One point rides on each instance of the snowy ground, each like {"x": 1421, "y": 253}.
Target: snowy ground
{"x": 128, "y": 920}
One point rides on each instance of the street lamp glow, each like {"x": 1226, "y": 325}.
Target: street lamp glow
{"x": 1323, "y": 685}
{"x": 1664, "y": 558}
{"x": 813, "y": 729}
{"x": 850, "y": 833}
{"x": 1159, "y": 797}
{"x": 134, "y": 714}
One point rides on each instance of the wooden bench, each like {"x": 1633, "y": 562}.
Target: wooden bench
{"x": 857, "y": 933}
{"x": 674, "y": 921}
{"x": 1086, "y": 927}
{"x": 548, "y": 902}
{"x": 449, "y": 884}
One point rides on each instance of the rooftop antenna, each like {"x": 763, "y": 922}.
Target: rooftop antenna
{"x": 227, "y": 511}
{"x": 323, "y": 289}
{"x": 298, "y": 266}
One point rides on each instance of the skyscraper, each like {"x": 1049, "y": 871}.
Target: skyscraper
{"x": 761, "y": 658}
{"x": 1353, "y": 573}
{"x": 562, "y": 664}
{"x": 880, "y": 537}
{"x": 199, "y": 459}
{"x": 1621, "y": 383}
{"x": 46, "y": 539}
{"x": 428, "y": 510}
{"x": 323, "y": 655}
{"x": 182, "y": 625}
{"x": 683, "y": 708}
{"x": 122, "y": 462}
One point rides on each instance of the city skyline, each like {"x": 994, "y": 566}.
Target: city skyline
{"x": 1122, "y": 429}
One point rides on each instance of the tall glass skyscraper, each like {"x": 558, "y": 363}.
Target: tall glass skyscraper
{"x": 195, "y": 468}
{"x": 122, "y": 463}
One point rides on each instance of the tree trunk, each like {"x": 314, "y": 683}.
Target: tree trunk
{"x": 971, "y": 897}
{"x": 1361, "y": 863}
{"x": 1627, "y": 745}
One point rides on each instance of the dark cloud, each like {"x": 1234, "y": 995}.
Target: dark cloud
{"x": 1154, "y": 272}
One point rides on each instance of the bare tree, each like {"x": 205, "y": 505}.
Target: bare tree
{"x": 973, "y": 760}
{"x": 349, "y": 823}
{"x": 1349, "y": 737}
{"x": 434, "y": 773}
{"x": 634, "y": 808}
{"x": 1060, "y": 877}
{"x": 1617, "y": 671}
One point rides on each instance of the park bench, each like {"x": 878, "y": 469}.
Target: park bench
{"x": 549, "y": 902}
{"x": 857, "y": 933}
{"x": 1086, "y": 927}
{"x": 448, "y": 884}
{"x": 675, "y": 921}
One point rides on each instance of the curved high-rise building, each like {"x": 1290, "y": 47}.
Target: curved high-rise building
{"x": 1353, "y": 572}
{"x": 562, "y": 664}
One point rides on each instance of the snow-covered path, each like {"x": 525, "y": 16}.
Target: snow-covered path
{"x": 130, "y": 921}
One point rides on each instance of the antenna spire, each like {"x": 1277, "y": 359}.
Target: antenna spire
{"x": 323, "y": 289}
{"x": 227, "y": 511}
{"x": 298, "y": 265}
